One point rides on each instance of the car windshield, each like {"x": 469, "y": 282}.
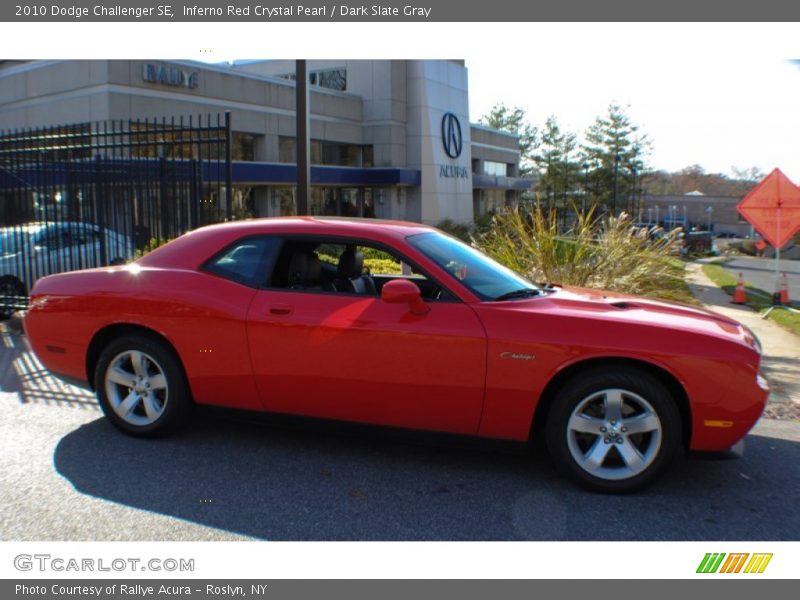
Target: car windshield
{"x": 483, "y": 276}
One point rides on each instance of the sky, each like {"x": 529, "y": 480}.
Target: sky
{"x": 728, "y": 101}
{"x": 714, "y": 94}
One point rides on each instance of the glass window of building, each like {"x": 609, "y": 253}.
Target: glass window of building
{"x": 368, "y": 157}
{"x": 287, "y": 150}
{"x": 488, "y": 201}
{"x": 368, "y": 209}
{"x": 61, "y": 143}
{"x": 244, "y": 146}
{"x": 342, "y": 155}
{"x": 152, "y": 140}
{"x": 316, "y": 152}
{"x": 327, "y": 153}
{"x": 499, "y": 169}
{"x": 333, "y": 79}
{"x": 342, "y": 201}
{"x": 322, "y": 201}
{"x": 283, "y": 200}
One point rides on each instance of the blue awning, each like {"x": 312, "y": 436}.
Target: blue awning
{"x": 151, "y": 169}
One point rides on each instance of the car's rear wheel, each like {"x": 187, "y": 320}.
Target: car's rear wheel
{"x": 141, "y": 386}
{"x": 613, "y": 431}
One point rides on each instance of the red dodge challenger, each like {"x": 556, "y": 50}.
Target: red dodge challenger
{"x": 398, "y": 324}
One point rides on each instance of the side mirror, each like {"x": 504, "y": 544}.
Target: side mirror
{"x": 403, "y": 291}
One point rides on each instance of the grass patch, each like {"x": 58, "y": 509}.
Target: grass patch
{"x": 756, "y": 297}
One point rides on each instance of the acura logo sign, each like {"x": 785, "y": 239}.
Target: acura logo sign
{"x": 451, "y": 135}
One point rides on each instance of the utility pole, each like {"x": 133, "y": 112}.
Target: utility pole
{"x": 302, "y": 132}
{"x": 614, "y": 199}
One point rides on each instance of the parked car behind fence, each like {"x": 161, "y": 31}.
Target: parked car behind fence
{"x": 32, "y": 250}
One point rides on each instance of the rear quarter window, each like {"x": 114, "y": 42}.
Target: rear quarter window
{"x": 246, "y": 261}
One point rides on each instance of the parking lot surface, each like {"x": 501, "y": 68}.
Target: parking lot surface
{"x": 66, "y": 474}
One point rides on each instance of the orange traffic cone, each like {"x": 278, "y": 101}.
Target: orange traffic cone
{"x": 784, "y": 293}
{"x": 739, "y": 296}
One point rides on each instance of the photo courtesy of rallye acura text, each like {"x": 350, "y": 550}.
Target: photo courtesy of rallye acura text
{"x": 398, "y": 324}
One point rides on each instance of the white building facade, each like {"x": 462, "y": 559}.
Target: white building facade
{"x": 389, "y": 138}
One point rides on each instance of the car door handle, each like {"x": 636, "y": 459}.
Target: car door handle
{"x": 280, "y": 309}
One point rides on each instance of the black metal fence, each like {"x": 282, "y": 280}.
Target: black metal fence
{"x": 93, "y": 194}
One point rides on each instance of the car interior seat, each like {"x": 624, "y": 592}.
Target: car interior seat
{"x": 350, "y": 276}
{"x": 304, "y": 270}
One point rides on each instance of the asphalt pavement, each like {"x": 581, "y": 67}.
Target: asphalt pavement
{"x": 66, "y": 474}
{"x": 760, "y": 272}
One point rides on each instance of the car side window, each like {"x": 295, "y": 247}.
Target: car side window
{"x": 83, "y": 234}
{"x": 343, "y": 267}
{"x": 53, "y": 237}
{"x": 246, "y": 261}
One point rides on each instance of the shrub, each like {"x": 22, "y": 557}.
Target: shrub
{"x": 608, "y": 253}
{"x": 747, "y": 247}
{"x": 386, "y": 266}
{"x": 460, "y": 230}
{"x": 151, "y": 245}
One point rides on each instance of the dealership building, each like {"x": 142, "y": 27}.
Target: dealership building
{"x": 389, "y": 138}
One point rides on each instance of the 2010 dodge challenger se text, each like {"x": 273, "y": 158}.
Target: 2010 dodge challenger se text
{"x": 398, "y": 324}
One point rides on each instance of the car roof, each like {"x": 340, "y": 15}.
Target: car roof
{"x": 34, "y": 226}
{"x": 350, "y": 226}
{"x": 199, "y": 244}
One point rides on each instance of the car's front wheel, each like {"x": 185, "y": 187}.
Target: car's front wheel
{"x": 141, "y": 386}
{"x": 613, "y": 430}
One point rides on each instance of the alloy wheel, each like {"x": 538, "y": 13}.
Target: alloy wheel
{"x": 614, "y": 434}
{"x": 136, "y": 387}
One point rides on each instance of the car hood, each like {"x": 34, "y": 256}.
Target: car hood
{"x": 640, "y": 310}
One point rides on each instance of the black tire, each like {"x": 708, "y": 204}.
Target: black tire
{"x": 12, "y": 294}
{"x": 588, "y": 395}
{"x": 173, "y": 400}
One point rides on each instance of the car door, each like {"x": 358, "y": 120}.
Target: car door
{"x": 354, "y": 357}
{"x": 85, "y": 248}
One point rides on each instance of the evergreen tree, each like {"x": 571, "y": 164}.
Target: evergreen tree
{"x": 515, "y": 121}
{"x": 615, "y": 153}
{"x": 555, "y": 161}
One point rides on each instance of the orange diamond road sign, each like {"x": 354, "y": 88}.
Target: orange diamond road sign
{"x": 773, "y": 208}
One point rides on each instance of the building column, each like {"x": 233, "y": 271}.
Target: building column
{"x": 261, "y": 201}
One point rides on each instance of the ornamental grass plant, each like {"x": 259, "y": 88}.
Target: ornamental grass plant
{"x": 607, "y": 252}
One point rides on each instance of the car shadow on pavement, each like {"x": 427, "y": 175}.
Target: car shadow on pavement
{"x": 312, "y": 481}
